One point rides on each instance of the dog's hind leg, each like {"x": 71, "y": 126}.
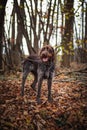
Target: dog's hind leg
{"x": 33, "y": 85}
{"x": 25, "y": 74}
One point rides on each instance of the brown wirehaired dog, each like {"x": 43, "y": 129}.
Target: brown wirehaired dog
{"x": 42, "y": 67}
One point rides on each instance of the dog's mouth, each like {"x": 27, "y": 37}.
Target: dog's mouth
{"x": 45, "y": 59}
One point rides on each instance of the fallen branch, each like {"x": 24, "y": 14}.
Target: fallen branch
{"x": 69, "y": 72}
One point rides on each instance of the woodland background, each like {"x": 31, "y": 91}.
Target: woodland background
{"x": 30, "y": 21}
{"x": 34, "y": 23}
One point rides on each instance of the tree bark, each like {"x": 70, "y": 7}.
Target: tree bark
{"x": 19, "y": 31}
{"x": 67, "y": 40}
{"x": 2, "y": 14}
{"x": 85, "y": 43}
{"x": 24, "y": 30}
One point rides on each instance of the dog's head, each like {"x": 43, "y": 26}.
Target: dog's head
{"x": 47, "y": 53}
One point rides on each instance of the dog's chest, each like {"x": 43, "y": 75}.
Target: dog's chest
{"x": 44, "y": 71}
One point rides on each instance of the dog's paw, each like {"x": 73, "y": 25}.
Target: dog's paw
{"x": 22, "y": 94}
{"x": 50, "y": 99}
{"x": 39, "y": 101}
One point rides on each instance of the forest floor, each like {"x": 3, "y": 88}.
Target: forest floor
{"x": 68, "y": 111}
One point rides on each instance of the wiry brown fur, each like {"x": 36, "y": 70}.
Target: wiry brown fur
{"x": 42, "y": 67}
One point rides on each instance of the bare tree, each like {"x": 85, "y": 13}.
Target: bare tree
{"x": 2, "y": 14}
{"x": 24, "y": 30}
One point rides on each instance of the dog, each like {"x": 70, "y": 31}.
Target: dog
{"x": 42, "y": 66}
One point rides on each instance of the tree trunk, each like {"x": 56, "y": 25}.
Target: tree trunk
{"x": 2, "y": 14}
{"x": 67, "y": 40}
{"x": 24, "y": 30}
{"x": 85, "y": 43}
{"x": 19, "y": 31}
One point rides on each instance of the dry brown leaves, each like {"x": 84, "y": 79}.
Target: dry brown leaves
{"x": 68, "y": 111}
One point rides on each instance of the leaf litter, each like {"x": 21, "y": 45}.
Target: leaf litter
{"x": 68, "y": 111}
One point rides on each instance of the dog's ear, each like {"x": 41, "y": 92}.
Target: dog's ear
{"x": 42, "y": 49}
{"x": 53, "y": 54}
{"x": 51, "y": 50}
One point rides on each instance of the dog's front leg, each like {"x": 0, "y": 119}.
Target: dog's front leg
{"x": 25, "y": 74}
{"x": 49, "y": 89}
{"x": 39, "y": 90}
